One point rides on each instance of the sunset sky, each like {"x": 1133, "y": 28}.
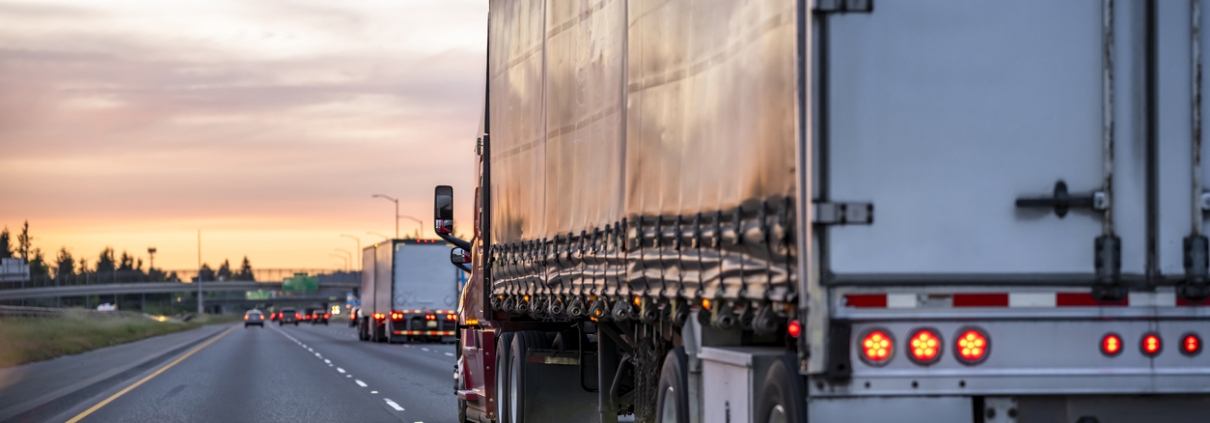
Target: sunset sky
{"x": 265, "y": 124}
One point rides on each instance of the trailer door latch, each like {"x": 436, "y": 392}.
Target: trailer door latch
{"x": 1062, "y": 201}
{"x": 844, "y": 213}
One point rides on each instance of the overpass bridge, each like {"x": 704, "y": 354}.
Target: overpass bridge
{"x": 154, "y": 288}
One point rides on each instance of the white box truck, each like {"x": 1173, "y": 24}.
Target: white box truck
{"x": 409, "y": 291}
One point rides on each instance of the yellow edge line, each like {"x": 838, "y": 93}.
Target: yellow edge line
{"x": 94, "y": 408}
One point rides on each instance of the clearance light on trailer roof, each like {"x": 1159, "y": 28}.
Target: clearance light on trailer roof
{"x": 1150, "y": 345}
{"x": 1111, "y": 344}
{"x": 924, "y": 347}
{"x": 877, "y": 347}
{"x": 971, "y": 346}
{"x": 1191, "y": 344}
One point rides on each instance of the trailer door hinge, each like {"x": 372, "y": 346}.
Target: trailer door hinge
{"x": 844, "y": 6}
{"x": 844, "y": 213}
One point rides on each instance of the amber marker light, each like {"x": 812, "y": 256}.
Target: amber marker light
{"x": 1150, "y": 344}
{"x": 971, "y": 346}
{"x": 1111, "y": 344}
{"x": 924, "y": 347}
{"x": 1191, "y": 344}
{"x": 876, "y": 347}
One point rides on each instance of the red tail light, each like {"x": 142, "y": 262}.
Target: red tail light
{"x": 972, "y": 346}
{"x": 430, "y": 317}
{"x": 924, "y": 347}
{"x": 396, "y": 315}
{"x": 297, "y": 315}
{"x": 327, "y": 315}
{"x": 245, "y": 317}
{"x": 1111, "y": 344}
{"x": 1150, "y": 344}
{"x": 877, "y": 347}
{"x": 379, "y": 316}
{"x": 1191, "y": 344}
{"x": 451, "y": 317}
{"x": 794, "y": 328}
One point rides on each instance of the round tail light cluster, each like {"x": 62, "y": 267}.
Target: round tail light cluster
{"x": 1191, "y": 344}
{"x": 972, "y": 346}
{"x": 1111, "y": 344}
{"x": 1150, "y": 345}
{"x": 925, "y": 347}
{"x": 877, "y": 347}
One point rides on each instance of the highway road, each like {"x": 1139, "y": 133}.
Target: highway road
{"x": 282, "y": 374}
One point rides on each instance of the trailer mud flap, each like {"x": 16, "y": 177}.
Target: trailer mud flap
{"x": 556, "y": 375}
{"x": 839, "y": 338}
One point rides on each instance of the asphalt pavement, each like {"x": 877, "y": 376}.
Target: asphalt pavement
{"x": 284, "y": 374}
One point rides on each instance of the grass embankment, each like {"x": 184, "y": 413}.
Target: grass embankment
{"x": 29, "y": 339}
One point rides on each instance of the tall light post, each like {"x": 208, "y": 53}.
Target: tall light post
{"x": 342, "y": 257}
{"x": 358, "y": 244}
{"x": 200, "y": 307}
{"x": 384, "y": 237}
{"x": 347, "y": 253}
{"x": 418, "y": 221}
{"x": 396, "y": 201}
{"x": 151, "y": 255}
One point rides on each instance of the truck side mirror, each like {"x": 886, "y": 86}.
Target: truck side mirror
{"x": 443, "y": 210}
{"x": 459, "y": 256}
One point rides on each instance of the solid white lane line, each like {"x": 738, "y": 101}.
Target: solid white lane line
{"x": 359, "y": 382}
{"x": 393, "y": 404}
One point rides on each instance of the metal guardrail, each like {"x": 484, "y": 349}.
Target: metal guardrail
{"x": 19, "y": 311}
{"x": 162, "y": 276}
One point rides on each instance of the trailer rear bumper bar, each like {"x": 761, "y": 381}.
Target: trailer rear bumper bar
{"x": 426, "y": 332}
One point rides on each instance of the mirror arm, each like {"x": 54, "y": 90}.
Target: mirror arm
{"x": 457, "y": 242}
{"x": 463, "y": 266}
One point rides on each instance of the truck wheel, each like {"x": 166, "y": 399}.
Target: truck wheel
{"x": 672, "y": 402}
{"x": 780, "y": 397}
{"x": 504, "y": 347}
{"x": 522, "y": 342}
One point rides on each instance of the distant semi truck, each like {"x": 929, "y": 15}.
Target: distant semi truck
{"x": 408, "y": 291}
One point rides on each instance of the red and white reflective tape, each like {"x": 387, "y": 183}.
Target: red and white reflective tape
{"x": 425, "y": 311}
{"x": 425, "y": 332}
{"x": 1012, "y": 300}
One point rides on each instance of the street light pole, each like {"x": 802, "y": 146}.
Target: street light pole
{"x": 384, "y": 237}
{"x": 200, "y": 306}
{"x": 342, "y": 257}
{"x": 350, "y": 256}
{"x": 358, "y": 244}
{"x": 396, "y": 201}
{"x": 418, "y": 221}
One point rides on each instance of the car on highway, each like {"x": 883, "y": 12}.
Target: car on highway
{"x": 287, "y": 316}
{"x": 254, "y": 317}
{"x": 320, "y": 316}
{"x": 354, "y": 312}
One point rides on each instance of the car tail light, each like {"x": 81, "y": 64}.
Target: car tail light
{"x": 297, "y": 315}
{"x": 924, "y": 347}
{"x": 877, "y": 347}
{"x": 327, "y": 315}
{"x": 794, "y": 328}
{"x": 972, "y": 346}
{"x": 1191, "y": 344}
{"x": 1150, "y": 344}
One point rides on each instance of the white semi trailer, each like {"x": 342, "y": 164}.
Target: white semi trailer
{"x": 839, "y": 211}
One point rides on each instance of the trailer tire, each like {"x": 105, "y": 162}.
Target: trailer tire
{"x": 673, "y": 386}
{"x": 522, "y": 342}
{"x": 780, "y": 396}
{"x": 504, "y": 347}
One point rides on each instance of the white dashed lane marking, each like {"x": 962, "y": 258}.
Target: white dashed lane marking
{"x": 450, "y": 354}
{"x": 359, "y": 382}
{"x": 393, "y": 404}
{"x": 340, "y": 370}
